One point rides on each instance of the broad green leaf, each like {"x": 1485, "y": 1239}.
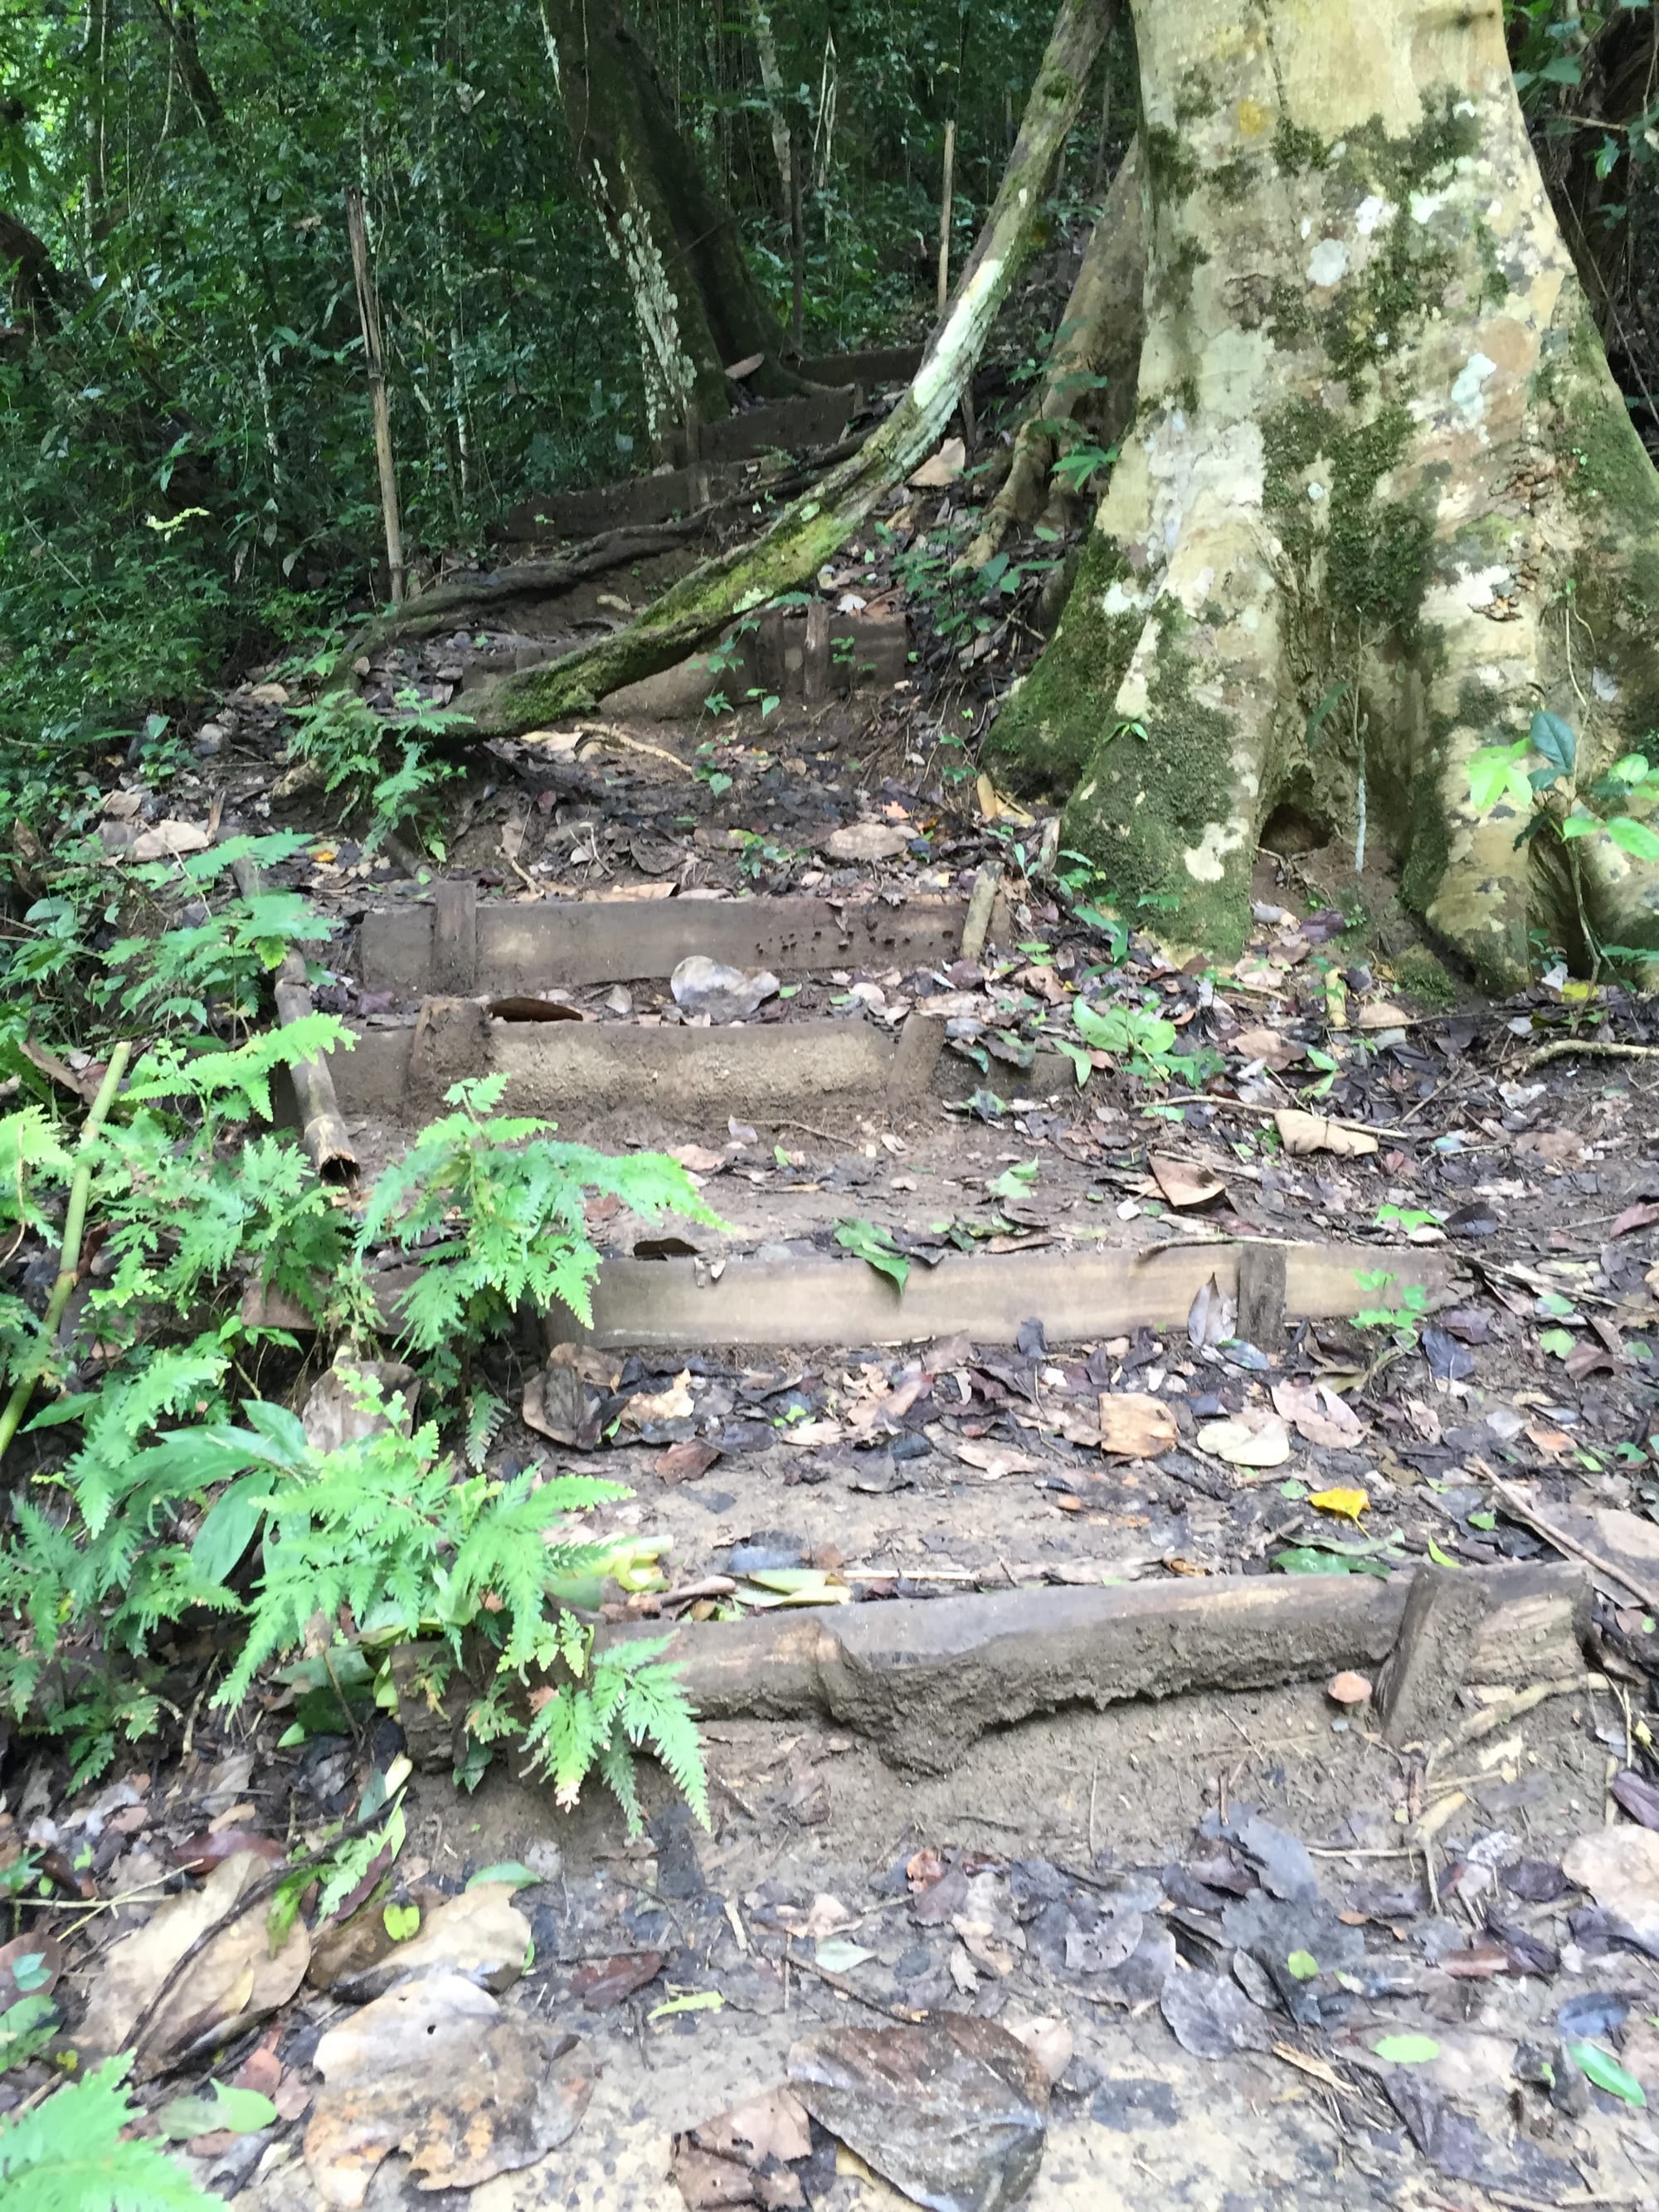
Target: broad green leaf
{"x": 1303, "y": 1965}
{"x": 1557, "y": 1340}
{"x": 240, "y": 2111}
{"x": 1601, "y": 2067}
{"x": 1496, "y": 771}
{"x": 1555, "y": 739}
{"x": 513, "y": 1870}
{"x": 401, "y": 1922}
{"x": 1407, "y": 2050}
{"x": 875, "y": 1247}
{"x": 1442, "y": 1559}
{"x": 1015, "y": 1182}
{"x": 1634, "y": 837}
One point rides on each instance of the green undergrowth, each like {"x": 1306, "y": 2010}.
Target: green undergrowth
{"x": 158, "y": 1475}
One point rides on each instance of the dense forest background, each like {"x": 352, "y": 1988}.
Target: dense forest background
{"x": 186, "y": 473}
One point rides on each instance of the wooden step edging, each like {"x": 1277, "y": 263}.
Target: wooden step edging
{"x": 1079, "y": 1296}
{"x": 923, "y": 1678}
{"x": 457, "y": 946}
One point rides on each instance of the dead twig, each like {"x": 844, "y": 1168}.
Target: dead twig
{"x": 1564, "y": 1048}
{"x": 847, "y": 1988}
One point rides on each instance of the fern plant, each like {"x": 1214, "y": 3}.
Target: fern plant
{"x": 69, "y": 2154}
{"x": 388, "y": 1528}
{"x": 347, "y": 743}
{"x": 497, "y": 1212}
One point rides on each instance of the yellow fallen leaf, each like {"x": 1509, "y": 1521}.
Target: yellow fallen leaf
{"x": 995, "y": 805}
{"x": 324, "y": 854}
{"x": 1350, "y": 1504}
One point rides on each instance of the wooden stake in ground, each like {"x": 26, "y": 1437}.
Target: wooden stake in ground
{"x": 946, "y": 194}
{"x": 368, "y": 311}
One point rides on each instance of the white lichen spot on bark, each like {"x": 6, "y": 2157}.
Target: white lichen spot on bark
{"x": 1207, "y": 861}
{"x": 1328, "y": 265}
{"x": 1467, "y": 394}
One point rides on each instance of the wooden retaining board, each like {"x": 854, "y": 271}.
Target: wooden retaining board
{"x": 1077, "y": 1296}
{"x": 456, "y": 944}
{"x": 924, "y": 1677}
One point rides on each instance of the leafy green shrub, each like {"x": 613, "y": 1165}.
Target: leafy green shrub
{"x": 349, "y": 744}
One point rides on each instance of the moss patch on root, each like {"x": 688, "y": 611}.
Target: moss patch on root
{"x": 1046, "y": 733}
{"x": 1426, "y": 978}
{"x": 1375, "y": 551}
{"x": 1145, "y": 801}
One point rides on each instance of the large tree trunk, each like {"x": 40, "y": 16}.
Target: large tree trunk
{"x": 697, "y": 303}
{"x": 810, "y": 530}
{"x": 1377, "y": 446}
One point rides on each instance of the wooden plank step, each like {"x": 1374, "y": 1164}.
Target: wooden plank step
{"x": 1078, "y": 1296}
{"x": 455, "y": 942}
{"x": 923, "y": 1678}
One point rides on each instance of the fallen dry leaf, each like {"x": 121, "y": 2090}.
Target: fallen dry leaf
{"x": 941, "y": 469}
{"x": 1135, "y": 1426}
{"x": 673, "y": 1404}
{"x": 1317, "y": 1414}
{"x": 478, "y": 1935}
{"x": 169, "y": 840}
{"x": 1382, "y": 1014}
{"x": 1253, "y": 1438}
{"x": 602, "y": 1983}
{"x": 1301, "y": 1133}
{"x": 437, "y": 2069}
{"x": 742, "y": 2156}
{"x": 1267, "y": 1046}
{"x": 1347, "y": 1504}
{"x": 231, "y": 1984}
{"x": 1183, "y": 1184}
{"x": 994, "y": 1461}
{"x": 954, "y": 2112}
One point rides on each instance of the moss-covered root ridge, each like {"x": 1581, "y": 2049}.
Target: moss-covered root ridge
{"x": 793, "y": 550}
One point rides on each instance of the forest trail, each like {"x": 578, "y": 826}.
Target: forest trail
{"x": 993, "y": 1316}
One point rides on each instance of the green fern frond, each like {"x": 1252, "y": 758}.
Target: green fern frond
{"x": 69, "y": 2155}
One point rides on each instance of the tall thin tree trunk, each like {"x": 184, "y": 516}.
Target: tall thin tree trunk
{"x": 368, "y": 311}
{"x": 765, "y": 46}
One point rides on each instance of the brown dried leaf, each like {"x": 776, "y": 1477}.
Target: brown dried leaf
{"x": 1135, "y": 1426}
{"x": 436, "y": 2068}
{"x": 1182, "y": 1184}
{"x": 1301, "y": 1133}
{"x": 229, "y": 1985}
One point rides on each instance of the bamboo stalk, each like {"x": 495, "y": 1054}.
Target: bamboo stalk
{"x": 946, "y": 195}
{"x": 368, "y": 311}
{"x": 322, "y": 1129}
{"x": 75, "y": 1222}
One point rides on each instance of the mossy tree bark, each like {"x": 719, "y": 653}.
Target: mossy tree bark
{"x": 804, "y": 535}
{"x": 697, "y": 303}
{"x": 1376, "y": 446}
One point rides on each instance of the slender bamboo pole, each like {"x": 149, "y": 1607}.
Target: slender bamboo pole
{"x": 368, "y": 310}
{"x": 75, "y": 1222}
{"x": 947, "y": 196}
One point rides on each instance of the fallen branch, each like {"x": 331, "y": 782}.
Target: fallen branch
{"x": 486, "y": 596}
{"x": 1565, "y": 1048}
